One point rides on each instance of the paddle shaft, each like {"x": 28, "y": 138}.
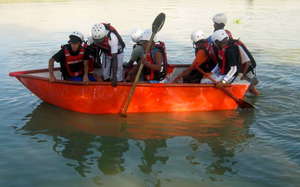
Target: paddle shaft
{"x": 224, "y": 90}
{"x": 136, "y": 79}
{"x": 240, "y": 102}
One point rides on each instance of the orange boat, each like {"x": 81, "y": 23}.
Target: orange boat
{"x": 102, "y": 98}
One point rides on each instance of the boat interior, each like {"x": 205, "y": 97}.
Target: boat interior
{"x": 174, "y": 70}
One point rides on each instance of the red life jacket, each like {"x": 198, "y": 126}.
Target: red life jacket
{"x": 104, "y": 45}
{"x": 150, "y": 57}
{"x": 72, "y": 62}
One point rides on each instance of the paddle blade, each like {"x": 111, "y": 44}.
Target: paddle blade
{"x": 158, "y": 22}
{"x": 244, "y": 104}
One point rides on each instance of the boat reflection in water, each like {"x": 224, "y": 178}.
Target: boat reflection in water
{"x": 142, "y": 143}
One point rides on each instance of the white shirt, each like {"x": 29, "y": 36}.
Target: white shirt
{"x": 113, "y": 43}
{"x": 243, "y": 55}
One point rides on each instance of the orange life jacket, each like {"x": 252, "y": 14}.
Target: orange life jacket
{"x": 74, "y": 64}
{"x": 104, "y": 45}
{"x": 150, "y": 57}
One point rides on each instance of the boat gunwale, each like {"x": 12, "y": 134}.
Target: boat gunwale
{"x": 28, "y": 74}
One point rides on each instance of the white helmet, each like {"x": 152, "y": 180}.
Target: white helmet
{"x": 219, "y": 35}
{"x": 147, "y": 35}
{"x": 197, "y": 35}
{"x": 220, "y": 18}
{"x": 99, "y": 31}
{"x": 136, "y": 35}
{"x": 76, "y": 37}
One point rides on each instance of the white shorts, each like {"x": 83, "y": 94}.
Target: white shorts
{"x": 106, "y": 67}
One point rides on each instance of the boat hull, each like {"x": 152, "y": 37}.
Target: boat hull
{"x": 102, "y": 98}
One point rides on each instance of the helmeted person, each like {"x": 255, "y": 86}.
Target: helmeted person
{"x": 136, "y": 54}
{"x": 155, "y": 61}
{"x": 73, "y": 60}
{"x": 248, "y": 63}
{"x": 220, "y": 21}
{"x": 138, "y": 50}
{"x": 111, "y": 45}
{"x": 228, "y": 65}
{"x": 205, "y": 59}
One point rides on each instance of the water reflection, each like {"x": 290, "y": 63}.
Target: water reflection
{"x": 111, "y": 145}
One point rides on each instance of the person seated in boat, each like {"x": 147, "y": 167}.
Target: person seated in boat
{"x": 72, "y": 59}
{"x": 155, "y": 62}
{"x": 205, "y": 60}
{"x": 136, "y": 55}
{"x": 220, "y": 21}
{"x": 226, "y": 70}
{"x": 111, "y": 46}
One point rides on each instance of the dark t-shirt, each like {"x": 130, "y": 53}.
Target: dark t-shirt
{"x": 60, "y": 58}
{"x": 232, "y": 57}
{"x": 93, "y": 52}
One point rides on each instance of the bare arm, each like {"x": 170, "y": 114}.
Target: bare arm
{"x": 246, "y": 67}
{"x": 184, "y": 73}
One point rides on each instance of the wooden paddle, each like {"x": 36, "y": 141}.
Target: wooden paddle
{"x": 242, "y": 103}
{"x": 156, "y": 27}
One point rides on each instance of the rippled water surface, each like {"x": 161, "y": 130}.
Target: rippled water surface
{"x": 42, "y": 145}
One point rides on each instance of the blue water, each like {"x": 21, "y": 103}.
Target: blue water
{"x": 42, "y": 145}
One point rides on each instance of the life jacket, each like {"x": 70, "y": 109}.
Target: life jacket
{"x": 222, "y": 54}
{"x": 212, "y": 59}
{"x": 150, "y": 57}
{"x": 252, "y": 60}
{"x": 104, "y": 46}
{"x": 74, "y": 64}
